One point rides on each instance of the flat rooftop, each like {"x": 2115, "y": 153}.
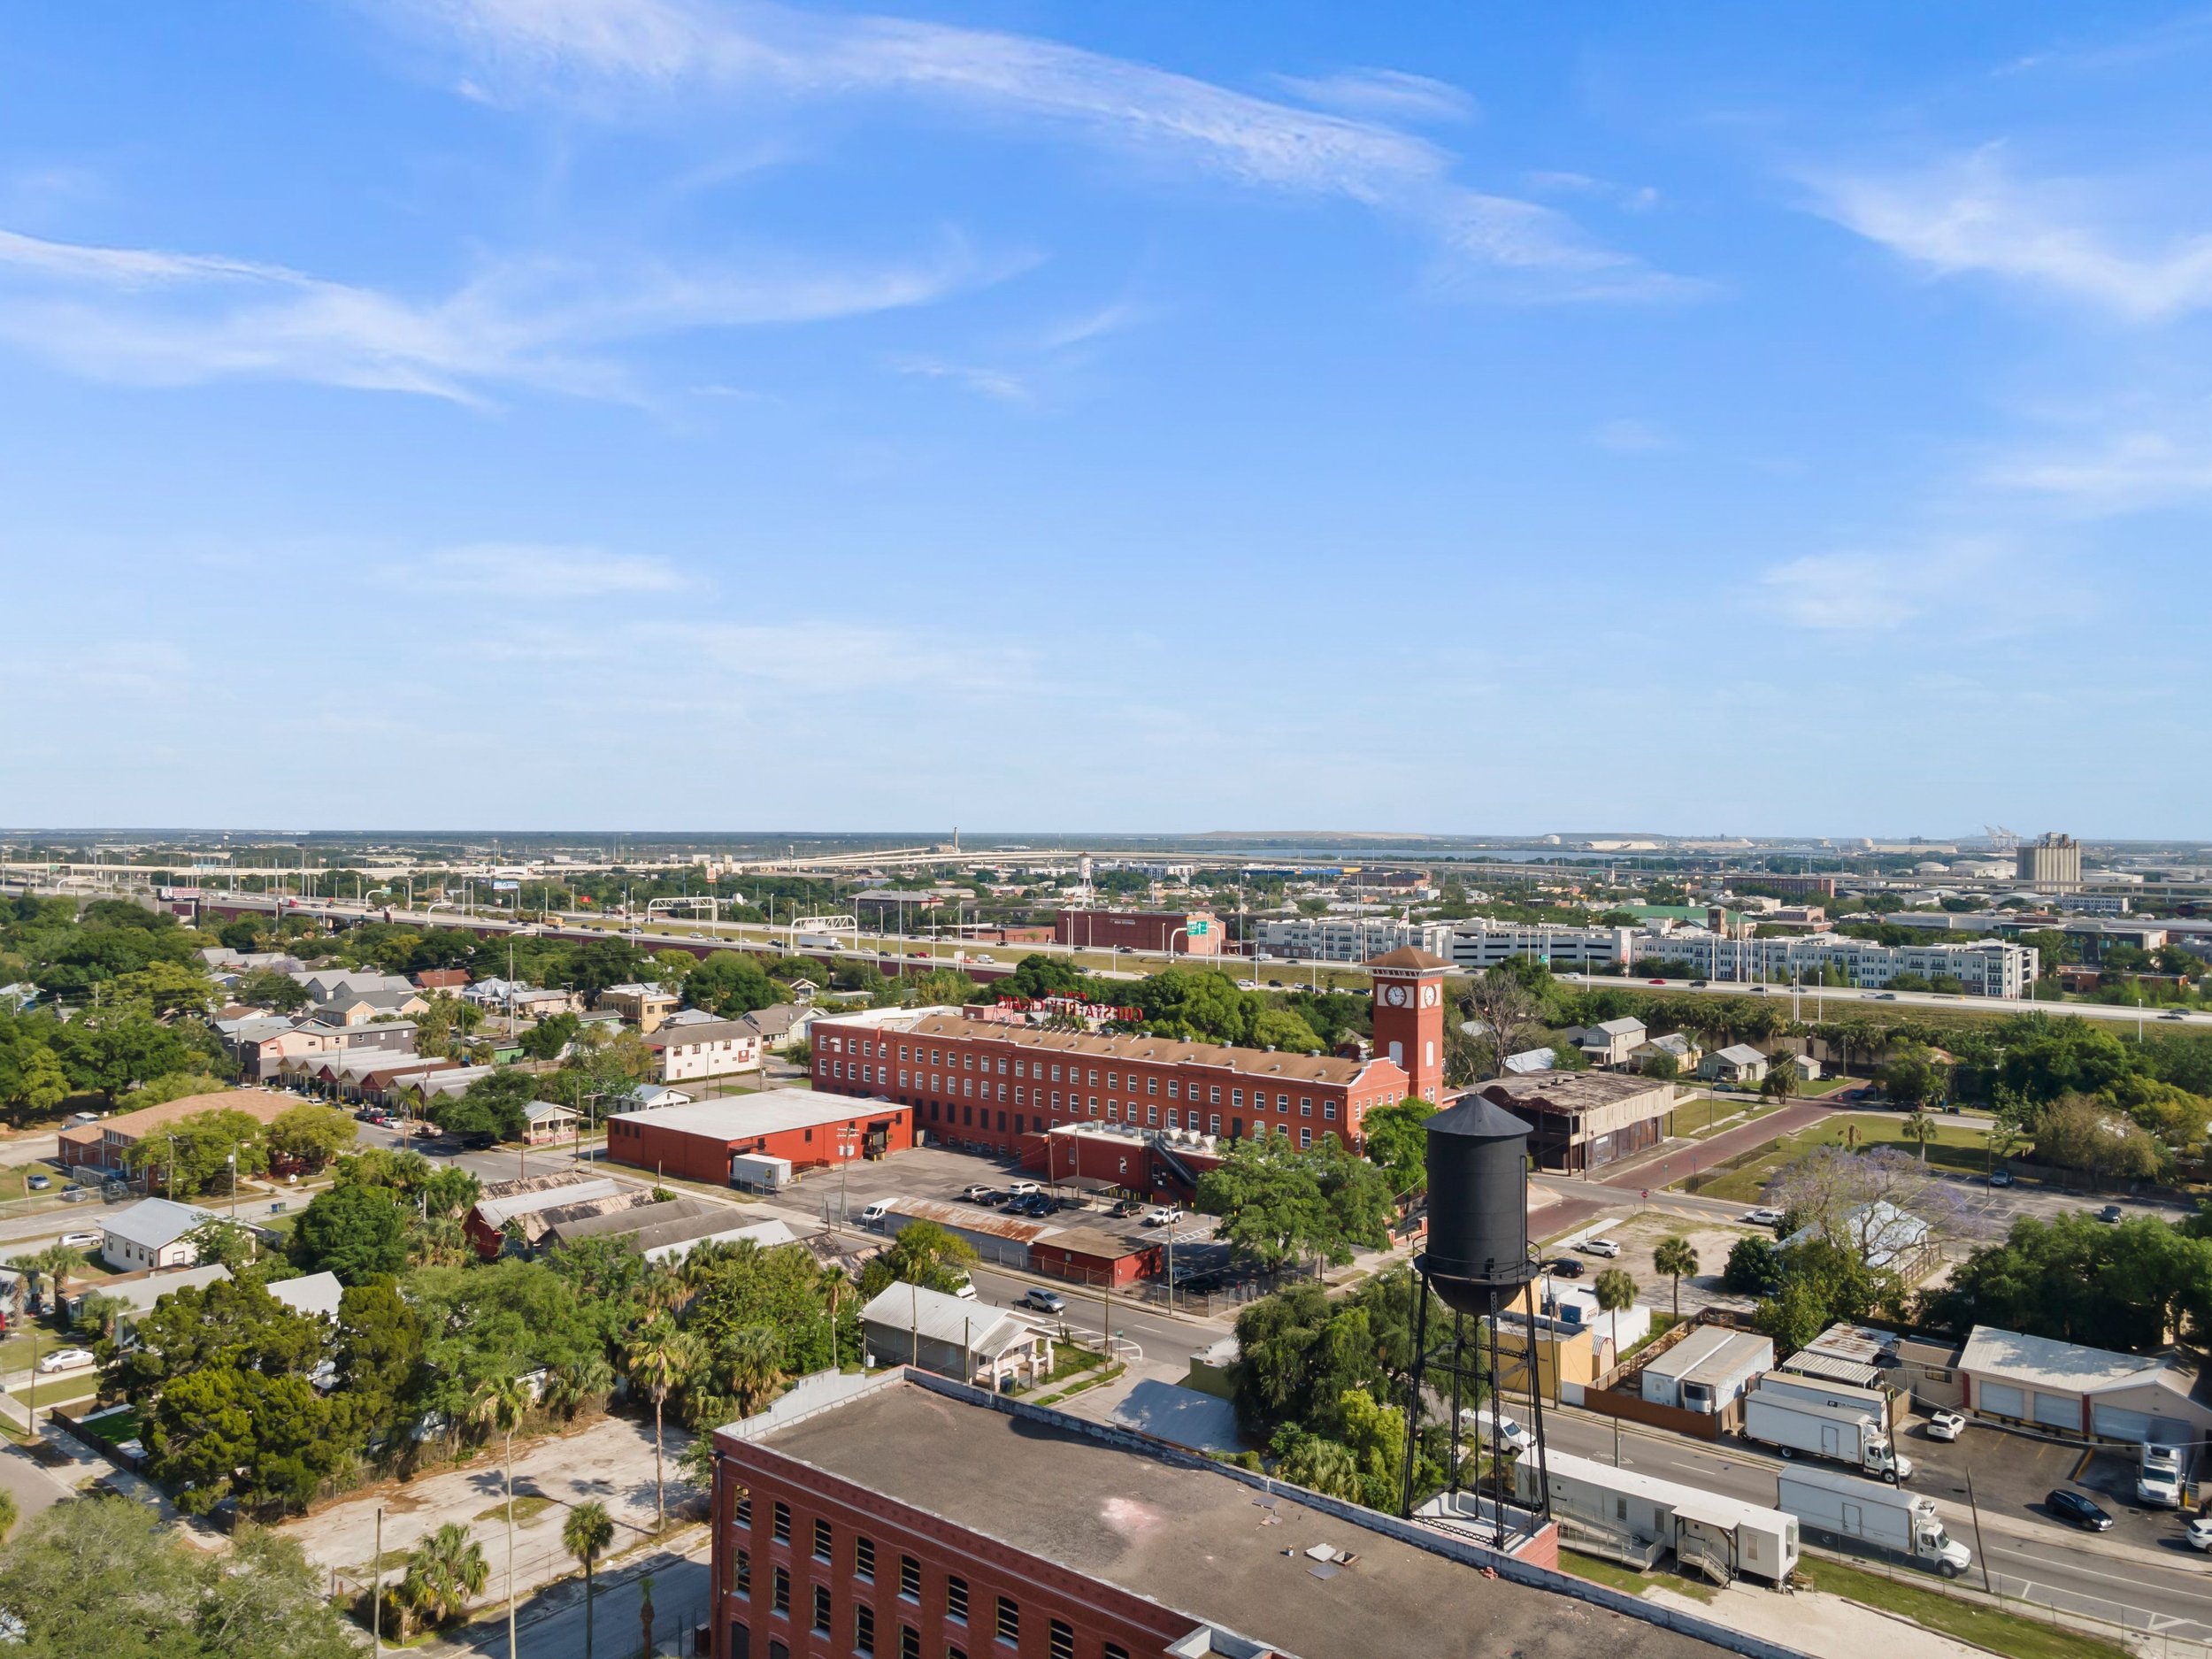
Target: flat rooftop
{"x": 1198, "y": 1541}
{"x": 772, "y": 1111}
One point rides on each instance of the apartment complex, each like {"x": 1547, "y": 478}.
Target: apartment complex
{"x": 1477, "y": 945}
{"x": 1983, "y": 967}
{"x": 1350, "y": 938}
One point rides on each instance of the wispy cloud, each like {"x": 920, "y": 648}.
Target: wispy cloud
{"x": 1980, "y": 589}
{"x": 663, "y": 48}
{"x": 527, "y": 572}
{"x": 2120, "y": 471}
{"x": 1973, "y": 216}
{"x": 1387, "y": 94}
{"x": 151, "y": 317}
{"x": 1002, "y": 384}
{"x": 1632, "y": 437}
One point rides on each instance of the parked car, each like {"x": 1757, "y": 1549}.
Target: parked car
{"x": 1023, "y": 1189}
{"x": 2000, "y": 1178}
{"x": 873, "y": 1214}
{"x": 1206, "y": 1284}
{"x": 1042, "y": 1301}
{"x": 983, "y": 1195}
{"x": 66, "y": 1359}
{"x": 1945, "y": 1425}
{"x": 2110, "y": 1213}
{"x": 1764, "y": 1216}
{"x": 1124, "y": 1208}
{"x": 2198, "y": 1534}
{"x": 1606, "y": 1248}
{"x": 38, "y": 1183}
{"x": 2076, "y": 1511}
{"x": 966, "y": 1291}
{"x": 1162, "y": 1215}
{"x": 1567, "y": 1267}
{"x": 78, "y": 1240}
{"x": 73, "y": 1194}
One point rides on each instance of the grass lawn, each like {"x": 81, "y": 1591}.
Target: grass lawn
{"x": 1710, "y": 1117}
{"x": 1955, "y": 1147}
{"x": 527, "y": 1507}
{"x": 1614, "y": 1576}
{"x": 1968, "y": 1621}
{"x": 125, "y": 1424}
{"x": 76, "y": 1385}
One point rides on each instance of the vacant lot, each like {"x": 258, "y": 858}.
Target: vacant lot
{"x": 1957, "y": 1147}
{"x": 1639, "y": 1235}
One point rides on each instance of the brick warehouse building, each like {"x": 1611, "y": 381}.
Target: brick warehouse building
{"x": 902, "y": 1515}
{"x": 697, "y": 1142}
{"x": 1003, "y": 1088}
{"x": 1179, "y": 932}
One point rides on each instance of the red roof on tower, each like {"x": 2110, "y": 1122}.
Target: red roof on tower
{"x": 1407, "y": 956}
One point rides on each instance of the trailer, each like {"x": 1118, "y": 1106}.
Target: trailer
{"x": 1843, "y": 1507}
{"x": 1874, "y": 1402}
{"x": 1636, "y": 1517}
{"x": 1844, "y": 1433}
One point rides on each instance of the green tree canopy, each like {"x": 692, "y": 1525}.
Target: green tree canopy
{"x": 1396, "y": 1142}
{"x": 357, "y": 1232}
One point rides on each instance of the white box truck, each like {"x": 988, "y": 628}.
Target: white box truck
{"x": 1843, "y": 1434}
{"x": 1864, "y": 1511}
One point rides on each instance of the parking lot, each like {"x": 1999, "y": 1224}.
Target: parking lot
{"x": 2013, "y": 1473}
{"x": 1639, "y": 1235}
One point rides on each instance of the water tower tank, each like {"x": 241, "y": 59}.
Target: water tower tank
{"x": 1477, "y": 1164}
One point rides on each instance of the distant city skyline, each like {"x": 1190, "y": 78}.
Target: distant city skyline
{"x": 627, "y": 416}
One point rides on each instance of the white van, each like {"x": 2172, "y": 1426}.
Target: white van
{"x": 1497, "y": 1431}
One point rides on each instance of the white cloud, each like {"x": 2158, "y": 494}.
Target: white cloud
{"x": 1974, "y": 216}
{"x": 1005, "y": 386}
{"x": 1840, "y": 592}
{"x": 526, "y": 571}
{"x": 1390, "y": 94}
{"x": 2120, "y": 472}
{"x": 658, "y": 49}
{"x": 1973, "y": 588}
{"x": 1631, "y": 437}
{"x": 146, "y": 315}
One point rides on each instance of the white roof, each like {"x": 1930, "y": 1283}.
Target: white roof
{"x": 142, "y": 1293}
{"x": 154, "y": 1223}
{"x": 315, "y": 1293}
{"x": 1531, "y": 1060}
{"x": 986, "y": 1331}
{"x": 2045, "y": 1361}
{"x": 1741, "y": 1054}
{"x": 1709, "y": 1506}
{"x": 1618, "y": 1027}
{"x": 772, "y": 1111}
{"x": 540, "y": 1111}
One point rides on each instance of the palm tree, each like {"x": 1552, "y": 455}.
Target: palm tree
{"x": 500, "y": 1403}
{"x": 656, "y": 1360}
{"x": 1675, "y": 1256}
{"x": 445, "y": 1573}
{"x": 1921, "y": 1128}
{"x": 645, "y": 1613}
{"x": 1616, "y": 1294}
{"x": 586, "y": 1535}
{"x": 752, "y": 1361}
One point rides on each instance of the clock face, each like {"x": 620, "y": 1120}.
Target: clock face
{"x": 1428, "y": 996}
{"x": 1395, "y": 996}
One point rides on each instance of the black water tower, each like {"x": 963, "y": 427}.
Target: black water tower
{"x": 1478, "y": 1163}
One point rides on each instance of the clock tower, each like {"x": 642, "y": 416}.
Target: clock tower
{"x": 1409, "y": 1016}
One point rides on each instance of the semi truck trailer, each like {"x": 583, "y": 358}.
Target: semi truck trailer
{"x": 1844, "y": 1433}
{"x": 1867, "y": 1512}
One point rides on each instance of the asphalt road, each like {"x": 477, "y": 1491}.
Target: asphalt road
{"x": 2168, "y": 1597}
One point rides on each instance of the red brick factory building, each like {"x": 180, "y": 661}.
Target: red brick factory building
{"x": 904, "y": 1515}
{"x": 806, "y": 1128}
{"x": 981, "y": 1083}
{"x": 1182, "y": 933}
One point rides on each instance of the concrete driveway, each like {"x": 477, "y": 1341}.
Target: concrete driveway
{"x": 610, "y": 1460}
{"x": 2013, "y": 1473}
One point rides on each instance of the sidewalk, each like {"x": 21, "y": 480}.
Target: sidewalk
{"x": 1815, "y": 1623}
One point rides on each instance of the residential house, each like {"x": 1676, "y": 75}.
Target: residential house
{"x": 323, "y": 983}
{"x": 780, "y": 1026}
{"x": 314, "y": 1294}
{"x": 644, "y": 1006}
{"x": 1807, "y": 1068}
{"x": 360, "y": 1008}
{"x": 709, "y": 1049}
{"x": 547, "y": 1121}
{"x": 1878, "y": 1232}
{"x": 1610, "y": 1042}
{"x": 1739, "y": 1063}
{"x": 989, "y": 1346}
{"x": 1677, "y": 1045}
{"x": 442, "y": 980}
{"x": 151, "y": 1234}
{"x": 1531, "y": 1060}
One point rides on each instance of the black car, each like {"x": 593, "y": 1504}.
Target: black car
{"x": 2110, "y": 1212}
{"x": 2076, "y": 1511}
{"x": 1567, "y": 1267}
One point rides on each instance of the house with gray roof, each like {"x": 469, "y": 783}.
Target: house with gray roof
{"x": 151, "y": 1233}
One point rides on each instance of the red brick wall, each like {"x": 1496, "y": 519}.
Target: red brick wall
{"x": 1042, "y": 1590}
{"x": 861, "y": 1060}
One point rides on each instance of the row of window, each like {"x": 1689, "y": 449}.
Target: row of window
{"x": 1006, "y": 1613}
{"x": 953, "y": 1115}
{"x": 1034, "y": 1071}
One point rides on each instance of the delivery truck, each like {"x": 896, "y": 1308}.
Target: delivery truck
{"x": 1866, "y": 1512}
{"x": 1844, "y": 1433}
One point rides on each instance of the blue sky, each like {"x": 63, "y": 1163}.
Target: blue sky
{"x": 574, "y": 413}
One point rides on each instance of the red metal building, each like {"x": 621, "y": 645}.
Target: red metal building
{"x": 1183, "y": 932}
{"x": 809, "y": 1129}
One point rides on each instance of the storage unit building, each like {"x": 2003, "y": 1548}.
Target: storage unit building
{"x": 807, "y": 1129}
{"x": 2082, "y": 1393}
{"x": 1708, "y": 1371}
